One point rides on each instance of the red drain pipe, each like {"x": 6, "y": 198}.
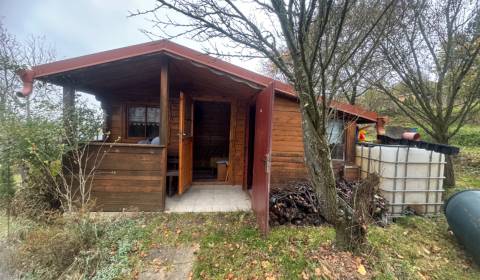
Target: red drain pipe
{"x": 27, "y": 78}
{"x": 415, "y": 136}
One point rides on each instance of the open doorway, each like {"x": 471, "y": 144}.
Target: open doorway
{"x": 211, "y": 140}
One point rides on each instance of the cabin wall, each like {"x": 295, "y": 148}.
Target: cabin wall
{"x": 288, "y": 161}
{"x": 287, "y": 143}
{"x": 173, "y": 124}
{"x": 211, "y": 132}
{"x": 238, "y": 143}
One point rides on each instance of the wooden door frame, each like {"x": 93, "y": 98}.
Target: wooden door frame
{"x": 262, "y": 156}
{"x": 246, "y": 144}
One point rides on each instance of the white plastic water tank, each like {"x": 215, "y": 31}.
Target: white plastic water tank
{"x": 410, "y": 178}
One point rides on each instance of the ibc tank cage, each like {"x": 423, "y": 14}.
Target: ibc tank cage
{"x": 411, "y": 179}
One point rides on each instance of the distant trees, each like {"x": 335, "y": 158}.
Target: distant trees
{"x": 433, "y": 52}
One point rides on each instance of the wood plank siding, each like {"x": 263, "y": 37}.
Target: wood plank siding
{"x": 287, "y": 143}
{"x": 129, "y": 176}
{"x": 288, "y": 161}
{"x": 237, "y": 140}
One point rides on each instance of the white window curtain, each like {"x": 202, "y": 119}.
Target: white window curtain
{"x": 335, "y": 132}
{"x": 153, "y": 115}
{"x": 136, "y": 115}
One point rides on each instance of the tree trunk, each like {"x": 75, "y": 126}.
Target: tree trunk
{"x": 319, "y": 165}
{"x": 68, "y": 112}
{"x": 322, "y": 177}
{"x": 449, "y": 172}
{"x": 350, "y": 228}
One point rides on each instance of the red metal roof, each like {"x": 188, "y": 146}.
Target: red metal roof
{"x": 174, "y": 49}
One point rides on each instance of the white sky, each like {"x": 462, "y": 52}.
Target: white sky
{"x": 79, "y": 27}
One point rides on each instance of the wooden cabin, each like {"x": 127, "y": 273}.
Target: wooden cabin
{"x": 210, "y": 121}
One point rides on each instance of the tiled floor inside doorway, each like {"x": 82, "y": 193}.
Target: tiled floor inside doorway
{"x": 209, "y": 198}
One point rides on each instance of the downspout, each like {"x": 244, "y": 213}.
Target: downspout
{"x": 27, "y": 78}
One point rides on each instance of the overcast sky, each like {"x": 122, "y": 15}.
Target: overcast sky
{"x": 82, "y": 27}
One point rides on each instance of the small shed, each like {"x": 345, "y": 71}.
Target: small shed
{"x": 205, "y": 112}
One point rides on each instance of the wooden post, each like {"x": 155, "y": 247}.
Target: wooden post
{"x": 164, "y": 122}
{"x": 164, "y": 89}
{"x": 68, "y": 111}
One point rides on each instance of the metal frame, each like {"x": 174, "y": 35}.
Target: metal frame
{"x": 398, "y": 189}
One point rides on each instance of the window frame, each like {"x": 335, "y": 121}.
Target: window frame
{"x": 127, "y": 119}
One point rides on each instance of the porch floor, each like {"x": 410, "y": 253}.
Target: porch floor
{"x": 209, "y": 198}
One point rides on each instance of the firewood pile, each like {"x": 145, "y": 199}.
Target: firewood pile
{"x": 294, "y": 204}
{"x": 377, "y": 209}
{"x": 298, "y": 204}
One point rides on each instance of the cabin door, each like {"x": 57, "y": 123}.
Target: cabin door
{"x": 185, "y": 149}
{"x": 262, "y": 156}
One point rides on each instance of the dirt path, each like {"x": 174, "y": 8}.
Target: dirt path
{"x": 169, "y": 263}
{"x": 4, "y": 274}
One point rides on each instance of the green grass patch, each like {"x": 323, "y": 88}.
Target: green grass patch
{"x": 418, "y": 248}
{"x": 467, "y": 170}
{"x": 467, "y": 136}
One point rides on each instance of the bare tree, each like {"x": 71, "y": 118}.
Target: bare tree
{"x": 9, "y": 63}
{"x": 433, "y": 52}
{"x": 318, "y": 45}
{"x": 357, "y": 76}
{"x": 16, "y": 55}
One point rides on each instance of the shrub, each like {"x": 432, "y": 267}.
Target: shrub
{"x": 46, "y": 251}
{"x": 76, "y": 246}
{"x": 36, "y": 199}
{"x": 39, "y": 146}
{"x": 468, "y": 135}
{"x": 7, "y": 188}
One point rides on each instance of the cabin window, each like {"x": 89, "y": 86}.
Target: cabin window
{"x": 143, "y": 121}
{"x": 335, "y": 138}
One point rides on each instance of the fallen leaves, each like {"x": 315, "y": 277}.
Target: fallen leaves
{"x": 265, "y": 264}
{"x": 361, "y": 270}
{"x": 426, "y": 251}
{"x": 334, "y": 264}
{"x": 323, "y": 271}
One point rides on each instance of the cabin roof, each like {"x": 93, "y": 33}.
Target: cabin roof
{"x": 63, "y": 71}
